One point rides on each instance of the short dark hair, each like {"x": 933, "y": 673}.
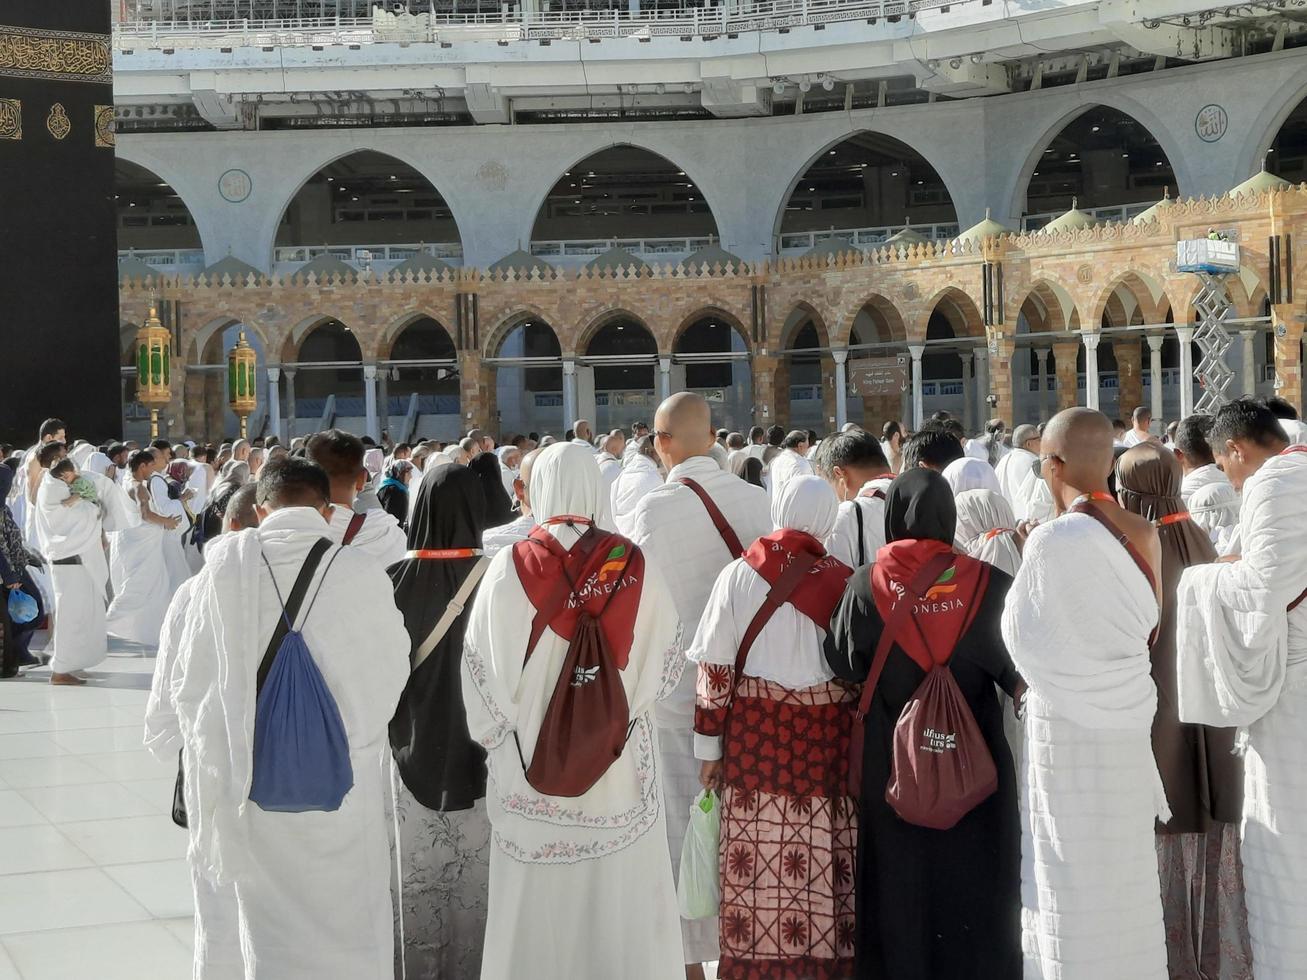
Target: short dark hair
{"x": 1247, "y": 419}
{"x": 401, "y": 447}
{"x": 48, "y": 453}
{"x": 1280, "y": 408}
{"x": 64, "y": 465}
{"x": 890, "y": 429}
{"x": 854, "y": 448}
{"x": 1191, "y": 438}
{"x": 795, "y": 439}
{"x": 161, "y": 444}
{"x": 954, "y": 428}
{"x": 1140, "y": 413}
{"x": 339, "y": 453}
{"x": 138, "y": 459}
{"x": 291, "y": 482}
{"x": 734, "y": 440}
{"x": 49, "y": 427}
{"x": 941, "y": 416}
{"x": 271, "y": 441}
{"x": 933, "y": 446}
{"x": 757, "y": 432}
{"x": 115, "y": 450}
{"x": 1116, "y": 424}
{"x": 775, "y": 435}
{"x": 240, "y": 506}
{"x": 723, "y": 433}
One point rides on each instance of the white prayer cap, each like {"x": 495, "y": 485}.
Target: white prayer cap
{"x": 565, "y": 480}
{"x": 969, "y": 473}
{"x": 805, "y": 503}
{"x": 980, "y": 511}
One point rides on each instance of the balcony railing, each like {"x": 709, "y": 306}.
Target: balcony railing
{"x": 1112, "y": 212}
{"x": 653, "y": 249}
{"x": 802, "y": 241}
{"x": 167, "y": 259}
{"x": 380, "y": 258}
{"x": 183, "y": 23}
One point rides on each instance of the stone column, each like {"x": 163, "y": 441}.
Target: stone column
{"x": 841, "y": 387}
{"x": 1155, "y": 341}
{"x": 664, "y": 378}
{"x": 968, "y": 391}
{"x": 1249, "y": 362}
{"x": 1130, "y": 378}
{"x": 1186, "y": 336}
{"x": 569, "y": 392}
{"x": 383, "y": 399}
{"x": 290, "y": 403}
{"x": 370, "y": 400}
{"x": 982, "y": 385}
{"x": 763, "y": 370}
{"x": 1288, "y": 353}
{"x": 1041, "y": 402}
{"x": 1000, "y": 378}
{"x": 473, "y": 394}
{"x": 274, "y": 401}
{"x": 1064, "y": 366}
{"x": 918, "y": 402}
{"x": 1091, "y": 341}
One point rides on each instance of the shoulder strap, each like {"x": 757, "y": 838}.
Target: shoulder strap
{"x": 862, "y": 547}
{"x": 719, "y": 521}
{"x": 290, "y": 608}
{"x": 776, "y": 597}
{"x": 1091, "y": 511}
{"x": 929, "y": 573}
{"x": 452, "y": 612}
{"x": 352, "y": 531}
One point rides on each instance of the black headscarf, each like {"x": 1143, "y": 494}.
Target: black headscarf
{"x": 919, "y": 505}
{"x": 437, "y": 759}
{"x": 489, "y": 470}
{"x": 748, "y": 468}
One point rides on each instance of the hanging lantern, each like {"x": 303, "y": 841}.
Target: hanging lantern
{"x": 153, "y": 368}
{"x": 242, "y": 366}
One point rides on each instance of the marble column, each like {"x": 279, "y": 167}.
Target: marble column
{"x": 1041, "y": 403}
{"x": 569, "y": 392}
{"x": 274, "y": 401}
{"x": 1091, "y": 341}
{"x": 383, "y": 399}
{"x": 1155, "y": 341}
{"x": 1249, "y": 362}
{"x": 982, "y": 386}
{"x": 370, "y": 400}
{"x": 841, "y": 387}
{"x": 918, "y": 397}
{"x": 968, "y": 391}
{"x": 1186, "y": 336}
{"x": 290, "y": 403}
{"x": 664, "y": 378}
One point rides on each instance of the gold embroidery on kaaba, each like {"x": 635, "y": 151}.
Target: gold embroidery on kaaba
{"x": 104, "y": 125}
{"x": 11, "y": 119}
{"x": 67, "y": 56}
{"x": 57, "y": 122}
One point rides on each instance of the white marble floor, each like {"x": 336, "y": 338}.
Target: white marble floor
{"x": 93, "y": 878}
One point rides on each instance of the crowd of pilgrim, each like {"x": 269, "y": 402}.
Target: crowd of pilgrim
{"x": 1116, "y": 608}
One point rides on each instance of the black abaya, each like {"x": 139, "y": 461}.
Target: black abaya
{"x": 437, "y": 759}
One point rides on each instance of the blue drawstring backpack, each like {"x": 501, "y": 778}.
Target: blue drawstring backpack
{"x": 22, "y": 607}
{"x": 301, "y": 754}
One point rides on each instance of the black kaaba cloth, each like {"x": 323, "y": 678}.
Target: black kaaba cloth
{"x": 59, "y": 348}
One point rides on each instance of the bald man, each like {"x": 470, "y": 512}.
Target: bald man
{"x": 583, "y": 434}
{"x": 1077, "y": 624}
{"x": 496, "y": 539}
{"x": 609, "y": 458}
{"x": 677, "y": 529}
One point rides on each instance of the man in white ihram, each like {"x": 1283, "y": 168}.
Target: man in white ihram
{"x": 1241, "y": 645}
{"x": 675, "y": 528}
{"x": 312, "y": 888}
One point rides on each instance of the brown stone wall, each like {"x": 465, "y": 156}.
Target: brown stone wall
{"x": 1130, "y": 378}
{"x": 1064, "y": 354}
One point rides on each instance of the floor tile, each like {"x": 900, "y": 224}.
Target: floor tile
{"x": 7, "y": 969}
{"x": 98, "y": 801}
{"x": 183, "y": 930}
{"x": 27, "y": 746}
{"x": 132, "y": 951}
{"x": 127, "y": 840}
{"x": 50, "y": 900}
{"x": 40, "y": 848}
{"x": 158, "y": 793}
{"x": 131, "y": 765}
{"x": 124, "y": 738}
{"x": 163, "y": 887}
{"x": 15, "y": 811}
{"x": 63, "y": 770}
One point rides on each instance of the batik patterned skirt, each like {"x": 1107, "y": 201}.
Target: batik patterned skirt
{"x": 788, "y": 834}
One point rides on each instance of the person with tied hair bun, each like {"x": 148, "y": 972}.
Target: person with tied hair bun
{"x": 1198, "y": 848}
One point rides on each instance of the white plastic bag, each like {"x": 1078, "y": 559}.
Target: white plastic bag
{"x": 698, "y": 890}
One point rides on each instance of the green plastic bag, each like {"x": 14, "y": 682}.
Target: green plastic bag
{"x": 698, "y": 890}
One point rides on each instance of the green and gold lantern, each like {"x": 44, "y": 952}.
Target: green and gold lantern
{"x": 242, "y": 365}
{"x": 154, "y": 368}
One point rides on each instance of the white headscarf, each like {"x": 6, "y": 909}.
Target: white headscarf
{"x": 374, "y": 461}
{"x": 565, "y": 481}
{"x": 805, "y": 503}
{"x": 83, "y": 452}
{"x": 99, "y": 463}
{"x": 982, "y": 511}
{"x": 969, "y": 473}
